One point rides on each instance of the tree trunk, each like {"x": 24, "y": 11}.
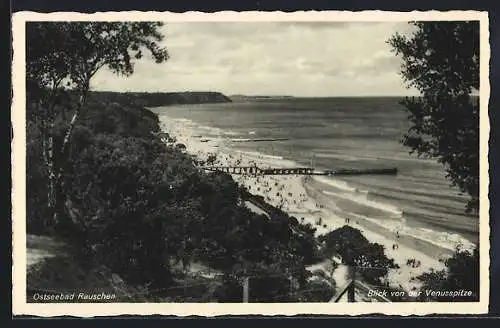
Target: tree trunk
{"x": 69, "y": 131}
{"x": 45, "y": 118}
{"x": 58, "y": 189}
{"x": 51, "y": 170}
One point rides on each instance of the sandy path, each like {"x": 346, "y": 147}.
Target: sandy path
{"x": 39, "y": 248}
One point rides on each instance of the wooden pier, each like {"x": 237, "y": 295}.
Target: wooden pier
{"x": 254, "y": 170}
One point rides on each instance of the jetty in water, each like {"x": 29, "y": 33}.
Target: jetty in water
{"x": 257, "y": 139}
{"x": 254, "y": 170}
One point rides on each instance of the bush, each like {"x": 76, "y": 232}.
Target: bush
{"x": 316, "y": 291}
{"x": 120, "y": 193}
{"x": 461, "y": 273}
{"x": 36, "y": 181}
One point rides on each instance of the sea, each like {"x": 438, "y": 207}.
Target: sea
{"x": 343, "y": 133}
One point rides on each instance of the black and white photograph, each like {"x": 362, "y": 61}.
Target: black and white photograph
{"x": 308, "y": 162}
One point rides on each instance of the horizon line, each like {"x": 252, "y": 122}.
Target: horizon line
{"x": 263, "y": 95}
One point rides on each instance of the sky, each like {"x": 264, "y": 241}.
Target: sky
{"x": 302, "y": 59}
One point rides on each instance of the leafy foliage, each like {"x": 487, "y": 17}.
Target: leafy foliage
{"x": 36, "y": 181}
{"x": 74, "y": 51}
{"x": 355, "y": 249}
{"x": 441, "y": 60}
{"x": 316, "y": 291}
{"x": 461, "y": 273}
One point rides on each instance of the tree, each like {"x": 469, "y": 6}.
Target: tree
{"x": 356, "y": 250}
{"x": 340, "y": 241}
{"x": 64, "y": 56}
{"x": 461, "y": 273}
{"x": 441, "y": 60}
{"x": 373, "y": 264}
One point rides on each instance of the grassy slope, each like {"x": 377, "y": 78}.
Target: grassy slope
{"x": 61, "y": 269}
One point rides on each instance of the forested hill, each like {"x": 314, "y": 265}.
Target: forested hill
{"x": 152, "y": 99}
{"x": 258, "y": 97}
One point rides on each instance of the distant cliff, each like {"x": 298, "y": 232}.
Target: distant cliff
{"x": 257, "y": 97}
{"x": 152, "y": 99}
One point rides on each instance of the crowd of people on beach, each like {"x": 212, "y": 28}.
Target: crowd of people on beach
{"x": 283, "y": 192}
{"x": 286, "y": 193}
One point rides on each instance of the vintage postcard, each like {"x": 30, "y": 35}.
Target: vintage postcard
{"x": 250, "y": 163}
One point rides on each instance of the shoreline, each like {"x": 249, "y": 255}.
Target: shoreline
{"x": 296, "y": 196}
{"x": 430, "y": 249}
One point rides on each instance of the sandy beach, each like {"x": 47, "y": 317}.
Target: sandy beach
{"x": 295, "y": 195}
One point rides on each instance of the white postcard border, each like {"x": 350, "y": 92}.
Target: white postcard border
{"x": 18, "y": 158}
